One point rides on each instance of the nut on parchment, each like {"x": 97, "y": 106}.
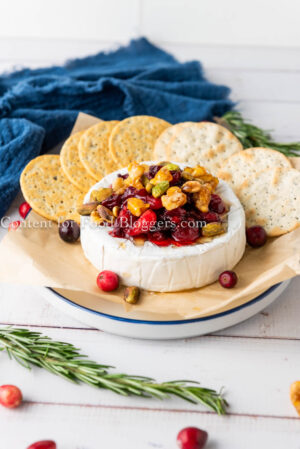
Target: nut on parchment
{"x": 131, "y": 295}
{"x": 88, "y": 208}
{"x": 105, "y": 214}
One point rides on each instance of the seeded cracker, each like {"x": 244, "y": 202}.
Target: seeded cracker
{"x": 94, "y": 151}
{"x": 133, "y": 139}
{"x": 271, "y": 199}
{"x": 203, "y": 143}
{"x": 247, "y": 163}
{"x": 48, "y": 191}
{"x": 72, "y": 166}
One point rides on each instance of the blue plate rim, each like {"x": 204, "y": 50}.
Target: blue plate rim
{"x": 172, "y": 322}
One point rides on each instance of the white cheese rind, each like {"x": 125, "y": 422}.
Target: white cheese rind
{"x": 166, "y": 269}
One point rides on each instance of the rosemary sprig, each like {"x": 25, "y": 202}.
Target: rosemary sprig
{"x": 252, "y": 136}
{"x": 63, "y": 359}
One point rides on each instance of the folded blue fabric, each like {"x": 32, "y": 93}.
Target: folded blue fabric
{"x": 38, "y": 107}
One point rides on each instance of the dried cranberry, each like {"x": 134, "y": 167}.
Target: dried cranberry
{"x": 216, "y": 204}
{"x": 176, "y": 215}
{"x": 158, "y": 236}
{"x": 123, "y": 176}
{"x": 144, "y": 223}
{"x": 112, "y": 201}
{"x": 117, "y": 230}
{"x": 155, "y": 203}
{"x": 209, "y": 217}
{"x": 129, "y": 193}
{"x": 166, "y": 242}
{"x": 176, "y": 177}
{"x": 141, "y": 193}
{"x": 153, "y": 169}
{"x": 186, "y": 231}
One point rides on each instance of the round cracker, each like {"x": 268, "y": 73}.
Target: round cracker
{"x": 166, "y": 138}
{"x": 134, "y": 138}
{"x": 72, "y": 166}
{"x": 247, "y": 163}
{"x": 94, "y": 150}
{"x": 271, "y": 199}
{"x": 48, "y": 191}
{"x": 203, "y": 143}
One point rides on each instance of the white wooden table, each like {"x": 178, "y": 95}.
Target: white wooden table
{"x": 255, "y": 361}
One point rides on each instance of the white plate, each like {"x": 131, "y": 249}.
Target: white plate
{"x": 111, "y": 317}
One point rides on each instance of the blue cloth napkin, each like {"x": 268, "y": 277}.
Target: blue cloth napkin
{"x": 39, "y": 107}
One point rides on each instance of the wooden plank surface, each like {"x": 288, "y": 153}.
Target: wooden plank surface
{"x": 255, "y": 361}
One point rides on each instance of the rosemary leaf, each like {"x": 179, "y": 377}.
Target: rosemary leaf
{"x": 63, "y": 359}
{"x": 252, "y": 136}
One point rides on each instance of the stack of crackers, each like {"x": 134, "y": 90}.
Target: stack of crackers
{"x": 263, "y": 179}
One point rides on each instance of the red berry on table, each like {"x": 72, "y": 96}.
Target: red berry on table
{"x": 14, "y": 225}
{"x": 46, "y": 444}
{"x": 10, "y": 396}
{"x": 24, "y": 209}
{"x": 228, "y": 279}
{"x": 107, "y": 281}
{"x": 69, "y": 231}
{"x": 256, "y": 236}
{"x": 192, "y": 438}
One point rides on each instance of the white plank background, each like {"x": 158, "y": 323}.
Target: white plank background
{"x": 255, "y": 361}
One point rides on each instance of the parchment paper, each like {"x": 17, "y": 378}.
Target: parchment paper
{"x": 34, "y": 254}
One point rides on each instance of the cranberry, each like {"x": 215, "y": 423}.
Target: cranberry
{"x": 158, "y": 236}
{"x": 123, "y": 176}
{"x": 176, "y": 215}
{"x": 107, "y": 281}
{"x": 228, "y": 279}
{"x": 166, "y": 242}
{"x": 10, "y": 396}
{"x": 14, "y": 225}
{"x": 186, "y": 231}
{"x": 210, "y": 217}
{"x": 256, "y": 236}
{"x": 216, "y": 204}
{"x": 153, "y": 169}
{"x": 69, "y": 231}
{"x": 176, "y": 177}
{"x": 46, "y": 444}
{"x": 155, "y": 203}
{"x": 112, "y": 201}
{"x": 144, "y": 223}
{"x": 24, "y": 209}
{"x": 192, "y": 438}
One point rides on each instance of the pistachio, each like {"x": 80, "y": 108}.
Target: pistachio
{"x": 101, "y": 194}
{"x": 105, "y": 214}
{"x": 116, "y": 211}
{"x": 144, "y": 180}
{"x": 131, "y": 295}
{"x": 172, "y": 167}
{"x": 191, "y": 187}
{"x": 149, "y": 187}
{"x": 160, "y": 188}
{"x": 212, "y": 229}
{"x": 88, "y": 208}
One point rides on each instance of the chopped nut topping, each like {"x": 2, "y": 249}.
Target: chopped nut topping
{"x": 88, "y": 208}
{"x": 162, "y": 175}
{"x": 96, "y": 218}
{"x": 202, "y": 198}
{"x": 137, "y": 206}
{"x": 191, "y": 186}
{"x": 174, "y": 198}
{"x": 116, "y": 211}
{"x": 105, "y": 214}
{"x": 212, "y": 229}
{"x": 119, "y": 186}
{"x": 101, "y": 194}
